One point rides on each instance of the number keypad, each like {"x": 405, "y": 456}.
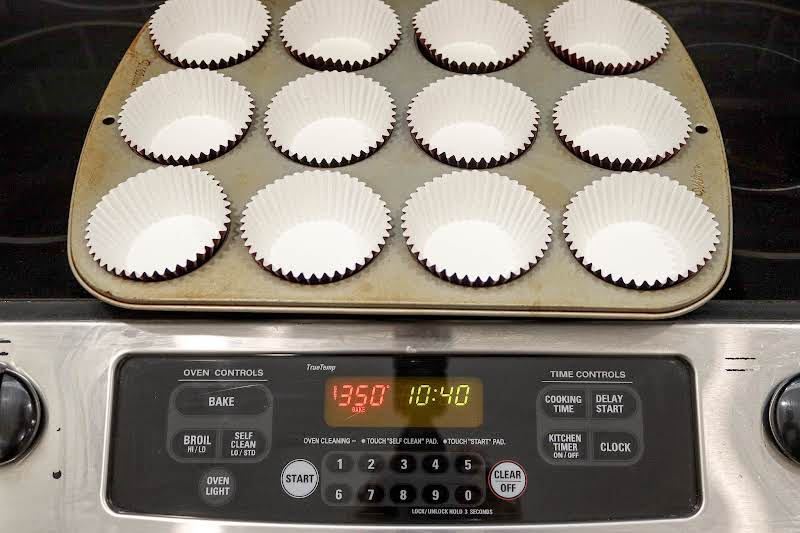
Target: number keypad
{"x": 405, "y": 479}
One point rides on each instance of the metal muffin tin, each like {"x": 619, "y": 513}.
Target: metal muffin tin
{"x": 395, "y": 283}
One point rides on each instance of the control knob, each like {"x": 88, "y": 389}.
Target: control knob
{"x": 784, "y": 418}
{"x": 20, "y": 415}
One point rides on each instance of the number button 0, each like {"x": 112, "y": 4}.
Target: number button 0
{"x": 435, "y": 494}
{"x": 339, "y": 463}
{"x": 371, "y": 493}
{"x": 435, "y": 464}
{"x": 468, "y": 495}
{"x": 469, "y": 464}
{"x": 338, "y": 494}
{"x": 371, "y": 463}
{"x": 404, "y": 464}
{"x": 401, "y": 494}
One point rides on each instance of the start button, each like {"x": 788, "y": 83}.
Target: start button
{"x": 508, "y": 480}
{"x": 299, "y": 478}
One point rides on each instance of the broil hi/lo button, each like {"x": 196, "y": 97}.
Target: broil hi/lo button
{"x": 508, "y": 480}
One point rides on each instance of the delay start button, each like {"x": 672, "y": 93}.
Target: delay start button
{"x": 299, "y": 478}
{"x": 508, "y": 480}
{"x": 217, "y": 486}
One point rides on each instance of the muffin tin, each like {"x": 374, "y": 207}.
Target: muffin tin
{"x": 395, "y": 282}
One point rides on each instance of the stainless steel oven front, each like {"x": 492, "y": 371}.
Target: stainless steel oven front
{"x": 342, "y": 425}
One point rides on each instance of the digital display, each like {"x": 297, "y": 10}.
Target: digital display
{"x": 391, "y": 402}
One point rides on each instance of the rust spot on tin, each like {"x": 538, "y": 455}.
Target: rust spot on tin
{"x": 698, "y": 186}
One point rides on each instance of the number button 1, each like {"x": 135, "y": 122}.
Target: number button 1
{"x": 435, "y": 464}
{"x": 371, "y": 463}
{"x": 339, "y": 463}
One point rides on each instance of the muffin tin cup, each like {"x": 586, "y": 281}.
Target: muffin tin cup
{"x": 621, "y": 123}
{"x": 330, "y": 119}
{"x": 342, "y": 35}
{"x": 640, "y": 230}
{"x": 209, "y": 33}
{"x": 186, "y": 117}
{"x": 476, "y": 228}
{"x": 610, "y": 37}
{"x": 473, "y": 122}
{"x": 315, "y": 227}
{"x": 472, "y": 36}
{"x": 160, "y": 224}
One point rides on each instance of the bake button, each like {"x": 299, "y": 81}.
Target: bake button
{"x": 195, "y": 444}
{"x": 299, "y": 478}
{"x": 469, "y": 464}
{"x": 228, "y": 399}
{"x": 217, "y": 487}
{"x": 435, "y": 464}
{"x": 339, "y": 463}
{"x": 613, "y": 403}
{"x": 468, "y": 495}
{"x": 565, "y": 446}
{"x": 435, "y": 494}
{"x": 508, "y": 480}
{"x": 338, "y": 494}
{"x": 564, "y": 403}
{"x": 615, "y": 446}
{"x": 243, "y": 444}
{"x": 371, "y": 494}
{"x": 401, "y": 494}
{"x": 404, "y": 463}
{"x": 371, "y": 463}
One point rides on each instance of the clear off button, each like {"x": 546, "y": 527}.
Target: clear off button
{"x": 508, "y": 480}
{"x": 299, "y": 478}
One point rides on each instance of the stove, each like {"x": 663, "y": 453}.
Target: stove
{"x": 113, "y": 420}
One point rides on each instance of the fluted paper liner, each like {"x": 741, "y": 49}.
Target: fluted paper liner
{"x": 159, "y": 224}
{"x": 473, "y": 122}
{"x": 185, "y": 117}
{"x": 315, "y": 227}
{"x": 606, "y": 36}
{"x": 472, "y": 36}
{"x": 476, "y": 228}
{"x": 330, "y": 119}
{"x": 640, "y": 230}
{"x": 340, "y": 34}
{"x": 621, "y": 123}
{"x": 209, "y": 33}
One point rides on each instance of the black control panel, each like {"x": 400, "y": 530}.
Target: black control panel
{"x": 406, "y": 440}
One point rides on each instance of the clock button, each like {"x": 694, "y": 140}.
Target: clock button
{"x": 435, "y": 494}
{"x": 371, "y": 463}
{"x": 404, "y": 464}
{"x": 435, "y": 464}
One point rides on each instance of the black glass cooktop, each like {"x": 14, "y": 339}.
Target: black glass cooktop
{"x": 56, "y": 57}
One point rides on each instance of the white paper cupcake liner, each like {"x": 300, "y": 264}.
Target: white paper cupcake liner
{"x": 476, "y": 228}
{"x": 606, "y": 36}
{"x": 340, "y": 34}
{"x": 473, "y": 122}
{"x": 315, "y": 226}
{"x": 472, "y": 36}
{"x": 209, "y": 33}
{"x": 621, "y": 123}
{"x": 159, "y": 224}
{"x": 640, "y": 230}
{"x": 185, "y": 117}
{"x": 330, "y": 119}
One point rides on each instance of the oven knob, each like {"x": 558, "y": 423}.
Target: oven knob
{"x": 20, "y": 415}
{"x": 784, "y": 418}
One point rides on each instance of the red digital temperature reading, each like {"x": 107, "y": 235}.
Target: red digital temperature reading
{"x": 404, "y": 402}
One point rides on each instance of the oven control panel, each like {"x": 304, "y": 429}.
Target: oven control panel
{"x": 404, "y": 439}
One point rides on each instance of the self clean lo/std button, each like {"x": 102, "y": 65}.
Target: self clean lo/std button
{"x": 508, "y": 480}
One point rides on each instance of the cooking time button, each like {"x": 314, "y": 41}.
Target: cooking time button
{"x": 564, "y": 403}
{"x": 228, "y": 399}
